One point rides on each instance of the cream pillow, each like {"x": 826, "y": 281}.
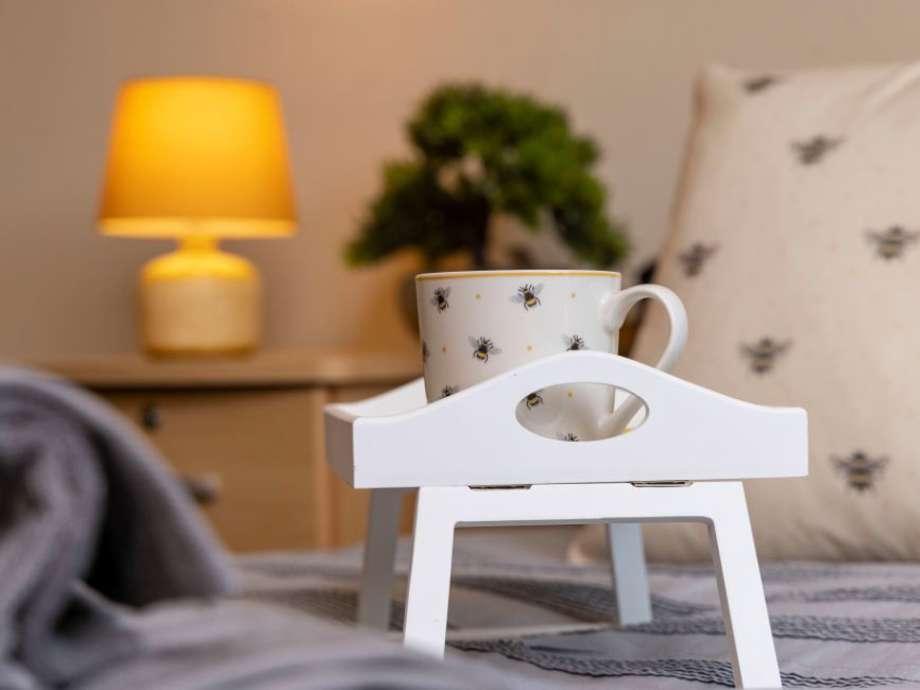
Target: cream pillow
{"x": 794, "y": 247}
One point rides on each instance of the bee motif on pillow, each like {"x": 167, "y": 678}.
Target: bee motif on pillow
{"x": 891, "y": 243}
{"x": 813, "y": 150}
{"x": 694, "y": 257}
{"x": 860, "y": 470}
{"x": 763, "y": 354}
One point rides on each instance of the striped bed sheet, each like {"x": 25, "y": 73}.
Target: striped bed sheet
{"x": 528, "y": 612}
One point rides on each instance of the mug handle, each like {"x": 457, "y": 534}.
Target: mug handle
{"x": 614, "y": 309}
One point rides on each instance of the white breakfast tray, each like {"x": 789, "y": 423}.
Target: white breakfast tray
{"x": 474, "y": 464}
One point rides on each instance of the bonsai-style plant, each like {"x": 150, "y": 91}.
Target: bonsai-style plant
{"x": 478, "y": 152}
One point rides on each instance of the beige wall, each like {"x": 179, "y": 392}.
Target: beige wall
{"x": 349, "y": 72}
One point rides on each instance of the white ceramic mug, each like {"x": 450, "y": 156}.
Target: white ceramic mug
{"x": 477, "y": 324}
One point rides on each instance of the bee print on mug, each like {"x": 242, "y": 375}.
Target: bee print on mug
{"x": 813, "y": 150}
{"x": 440, "y": 298}
{"x": 763, "y": 354}
{"x": 859, "y": 470}
{"x": 569, "y": 437}
{"x": 448, "y": 391}
{"x": 426, "y": 353}
{"x": 483, "y": 348}
{"x": 574, "y": 342}
{"x": 891, "y": 243}
{"x": 528, "y": 295}
{"x": 694, "y": 257}
{"x": 533, "y": 400}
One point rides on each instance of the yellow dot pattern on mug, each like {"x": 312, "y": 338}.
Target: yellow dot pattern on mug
{"x": 478, "y": 296}
{"x": 530, "y": 348}
{"x": 572, "y": 295}
{"x": 571, "y": 394}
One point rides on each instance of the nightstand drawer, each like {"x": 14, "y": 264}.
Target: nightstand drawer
{"x": 247, "y": 433}
{"x": 247, "y": 454}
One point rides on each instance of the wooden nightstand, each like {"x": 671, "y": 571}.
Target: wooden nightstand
{"x": 247, "y": 434}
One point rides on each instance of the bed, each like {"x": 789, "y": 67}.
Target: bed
{"x": 110, "y": 581}
{"x": 518, "y": 606}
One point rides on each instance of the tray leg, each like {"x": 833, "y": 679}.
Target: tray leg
{"x": 630, "y": 575}
{"x": 744, "y": 608}
{"x": 429, "y": 576}
{"x": 379, "y": 558}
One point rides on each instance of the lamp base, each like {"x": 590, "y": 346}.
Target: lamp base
{"x": 199, "y": 300}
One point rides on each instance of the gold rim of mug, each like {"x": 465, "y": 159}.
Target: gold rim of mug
{"x": 498, "y": 274}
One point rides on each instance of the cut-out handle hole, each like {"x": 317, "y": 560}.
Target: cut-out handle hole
{"x": 576, "y": 411}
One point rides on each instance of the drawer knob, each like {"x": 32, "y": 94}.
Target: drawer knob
{"x": 204, "y": 488}
{"x": 150, "y": 416}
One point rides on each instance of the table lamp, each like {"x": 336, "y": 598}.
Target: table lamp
{"x": 198, "y": 159}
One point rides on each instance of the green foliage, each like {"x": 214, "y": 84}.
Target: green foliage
{"x": 480, "y": 151}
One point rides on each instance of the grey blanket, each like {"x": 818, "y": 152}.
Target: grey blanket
{"x": 109, "y": 579}
{"x": 90, "y": 522}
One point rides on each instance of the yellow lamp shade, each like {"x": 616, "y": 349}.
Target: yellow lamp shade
{"x": 197, "y": 156}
